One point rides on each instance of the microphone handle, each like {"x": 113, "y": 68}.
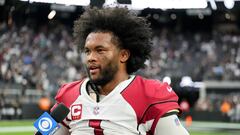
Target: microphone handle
{"x": 38, "y": 133}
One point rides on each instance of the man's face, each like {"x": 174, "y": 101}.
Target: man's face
{"x": 101, "y": 57}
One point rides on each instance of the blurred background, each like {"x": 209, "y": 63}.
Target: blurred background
{"x": 196, "y": 50}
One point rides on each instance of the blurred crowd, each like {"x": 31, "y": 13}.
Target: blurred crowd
{"x": 200, "y": 55}
{"x": 40, "y": 59}
{"x": 45, "y": 57}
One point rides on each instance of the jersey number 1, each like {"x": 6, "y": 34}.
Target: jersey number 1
{"x": 96, "y": 124}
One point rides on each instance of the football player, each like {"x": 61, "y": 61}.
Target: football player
{"x": 115, "y": 43}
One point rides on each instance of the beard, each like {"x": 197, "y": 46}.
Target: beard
{"x": 106, "y": 75}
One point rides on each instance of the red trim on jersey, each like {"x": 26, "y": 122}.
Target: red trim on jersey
{"x": 131, "y": 92}
{"x": 68, "y": 93}
{"x": 96, "y": 124}
{"x": 154, "y": 111}
{"x": 150, "y": 99}
{"x": 157, "y": 109}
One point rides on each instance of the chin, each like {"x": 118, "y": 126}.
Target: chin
{"x": 99, "y": 81}
{"x": 95, "y": 78}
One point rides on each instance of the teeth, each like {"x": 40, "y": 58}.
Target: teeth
{"x": 93, "y": 68}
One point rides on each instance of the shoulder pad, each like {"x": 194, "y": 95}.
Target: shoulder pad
{"x": 158, "y": 91}
{"x": 68, "y": 92}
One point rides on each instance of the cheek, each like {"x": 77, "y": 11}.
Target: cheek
{"x": 108, "y": 60}
{"x": 105, "y": 60}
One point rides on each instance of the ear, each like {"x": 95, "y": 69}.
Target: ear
{"x": 124, "y": 55}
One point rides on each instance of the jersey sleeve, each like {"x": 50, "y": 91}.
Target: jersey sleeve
{"x": 154, "y": 100}
{"x": 60, "y": 92}
{"x": 167, "y": 100}
{"x": 170, "y": 125}
{"x": 162, "y": 100}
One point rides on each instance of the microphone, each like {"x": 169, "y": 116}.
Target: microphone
{"x": 48, "y": 124}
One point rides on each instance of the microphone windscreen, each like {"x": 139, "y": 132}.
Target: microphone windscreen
{"x": 59, "y": 113}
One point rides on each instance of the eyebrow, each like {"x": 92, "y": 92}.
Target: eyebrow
{"x": 96, "y": 47}
{"x": 99, "y": 46}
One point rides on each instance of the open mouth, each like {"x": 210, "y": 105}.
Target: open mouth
{"x": 93, "y": 69}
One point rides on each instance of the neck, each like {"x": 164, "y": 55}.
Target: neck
{"x": 107, "y": 88}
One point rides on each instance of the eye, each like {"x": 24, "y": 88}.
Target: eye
{"x": 86, "y": 51}
{"x": 100, "y": 50}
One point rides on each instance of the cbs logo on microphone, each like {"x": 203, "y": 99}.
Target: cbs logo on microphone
{"x": 45, "y": 124}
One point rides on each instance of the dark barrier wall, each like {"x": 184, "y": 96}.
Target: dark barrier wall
{"x": 206, "y": 116}
{"x": 31, "y": 111}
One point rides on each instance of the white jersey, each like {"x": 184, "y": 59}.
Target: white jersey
{"x": 132, "y": 108}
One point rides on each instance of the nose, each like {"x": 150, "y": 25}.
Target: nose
{"x": 91, "y": 57}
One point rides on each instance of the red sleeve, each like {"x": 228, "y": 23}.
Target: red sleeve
{"x": 68, "y": 93}
{"x": 59, "y": 93}
{"x": 166, "y": 100}
{"x": 154, "y": 99}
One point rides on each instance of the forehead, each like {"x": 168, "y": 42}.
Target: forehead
{"x": 99, "y": 38}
